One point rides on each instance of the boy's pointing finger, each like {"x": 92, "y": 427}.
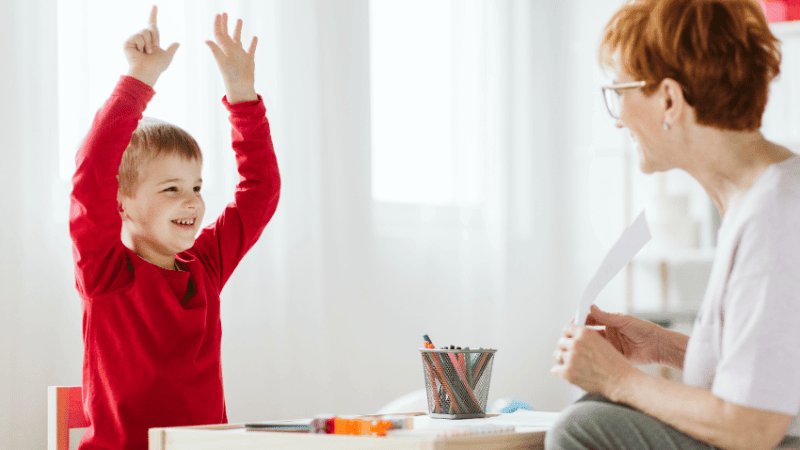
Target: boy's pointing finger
{"x": 153, "y": 22}
{"x": 153, "y": 27}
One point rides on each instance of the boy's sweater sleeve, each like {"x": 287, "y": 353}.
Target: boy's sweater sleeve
{"x": 223, "y": 244}
{"x": 94, "y": 221}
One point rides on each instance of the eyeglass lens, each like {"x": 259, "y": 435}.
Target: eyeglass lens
{"x": 612, "y": 102}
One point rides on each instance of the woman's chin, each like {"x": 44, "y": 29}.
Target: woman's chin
{"x": 646, "y": 166}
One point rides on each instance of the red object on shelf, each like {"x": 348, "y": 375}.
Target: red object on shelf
{"x": 792, "y": 9}
{"x": 781, "y": 10}
{"x": 775, "y": 10}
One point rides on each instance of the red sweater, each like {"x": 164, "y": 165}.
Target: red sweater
{"x": 149, "y": 360}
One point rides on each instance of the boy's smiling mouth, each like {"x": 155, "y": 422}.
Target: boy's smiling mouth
{"x": 184, "y": 222}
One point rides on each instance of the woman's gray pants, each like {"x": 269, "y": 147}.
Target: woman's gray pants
{"x": 595, "y": 422}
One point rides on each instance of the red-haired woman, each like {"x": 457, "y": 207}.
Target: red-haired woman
{"x": 692, "y": 84}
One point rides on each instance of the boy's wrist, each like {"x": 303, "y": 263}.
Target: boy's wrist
{"x": 241, "y": 94}
{"x": 147, "y": 77}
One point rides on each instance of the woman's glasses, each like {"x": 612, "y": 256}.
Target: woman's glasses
{"x": 612, "y": 93}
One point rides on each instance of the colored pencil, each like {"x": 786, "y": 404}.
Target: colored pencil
{"x": 463, "y": 385}
{"x": 455, "y": 401}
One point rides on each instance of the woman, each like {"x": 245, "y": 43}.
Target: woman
{"x": 693, "y": 78}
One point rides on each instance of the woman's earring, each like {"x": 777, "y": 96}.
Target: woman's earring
{"x": 665, "y": 126}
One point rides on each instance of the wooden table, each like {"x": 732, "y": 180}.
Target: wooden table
{"x": 529, "y": 434}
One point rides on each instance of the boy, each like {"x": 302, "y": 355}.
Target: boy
{"x": 150, "y": 290}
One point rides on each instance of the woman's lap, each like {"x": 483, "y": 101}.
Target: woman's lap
{"x": 594, "y": 422}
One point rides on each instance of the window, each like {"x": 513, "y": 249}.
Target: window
{"x": 428, "y": 102}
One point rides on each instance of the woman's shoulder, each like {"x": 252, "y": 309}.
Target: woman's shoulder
{"x": 776, "y": 202}
{"x": 775, "y": 196}
{"x": 787, "y": 180}
{"x": 767, "y": 220}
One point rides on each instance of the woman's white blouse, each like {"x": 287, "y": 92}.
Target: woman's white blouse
{"x": 745, "y": 344}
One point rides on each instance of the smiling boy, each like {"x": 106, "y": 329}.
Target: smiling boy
{"x": 159, "y": 192}
{"x": 150, "y": 289}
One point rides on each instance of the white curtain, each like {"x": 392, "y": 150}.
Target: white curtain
{"x": 327, "y": 311}
{"x": 40, "y": 320}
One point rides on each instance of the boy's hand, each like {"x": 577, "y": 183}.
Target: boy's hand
{"x": 237, "y": 66}
{"x": 146, "y": 59}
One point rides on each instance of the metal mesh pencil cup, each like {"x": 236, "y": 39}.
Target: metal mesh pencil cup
{"x": 457, "y": 382}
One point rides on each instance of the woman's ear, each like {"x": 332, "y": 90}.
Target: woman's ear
{"x": 674, "y": 101}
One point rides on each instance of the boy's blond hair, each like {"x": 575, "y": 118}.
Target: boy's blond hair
{"x": 151, "y": 139}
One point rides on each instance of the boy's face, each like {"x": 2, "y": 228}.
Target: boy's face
{"x": 164, "y": 214}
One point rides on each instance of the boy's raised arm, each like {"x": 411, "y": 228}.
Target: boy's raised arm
{"x": 236, "y": 65}
{"x": 95, "y": 222}
{"x": 146, "y": 59}
{"x": 240, "y": 225}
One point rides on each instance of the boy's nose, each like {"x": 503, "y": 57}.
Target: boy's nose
{"x": 192, "y": 200}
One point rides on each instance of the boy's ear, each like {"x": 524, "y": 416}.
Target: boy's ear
{"x": 120, "y": 209}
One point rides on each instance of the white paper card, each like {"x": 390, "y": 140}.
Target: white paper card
{"x": 628, "y": 245}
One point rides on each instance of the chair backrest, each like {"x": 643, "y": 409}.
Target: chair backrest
{"x": 64, "y": 411}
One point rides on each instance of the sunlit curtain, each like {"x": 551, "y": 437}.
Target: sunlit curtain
{"x": 39, "y": 322}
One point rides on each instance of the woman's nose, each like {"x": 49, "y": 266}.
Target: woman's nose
{"x": 619, "y": 124}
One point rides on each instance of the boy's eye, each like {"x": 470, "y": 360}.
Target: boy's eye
{"x": 171, "y": 189}
{"x": 197, "y": 188}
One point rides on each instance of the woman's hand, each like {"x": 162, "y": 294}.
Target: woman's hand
{"x": 587, "y": 360}
{"x": 637, "y": 339}
{"x": 146, "y": 59}
{"x": 236, "y": 65}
